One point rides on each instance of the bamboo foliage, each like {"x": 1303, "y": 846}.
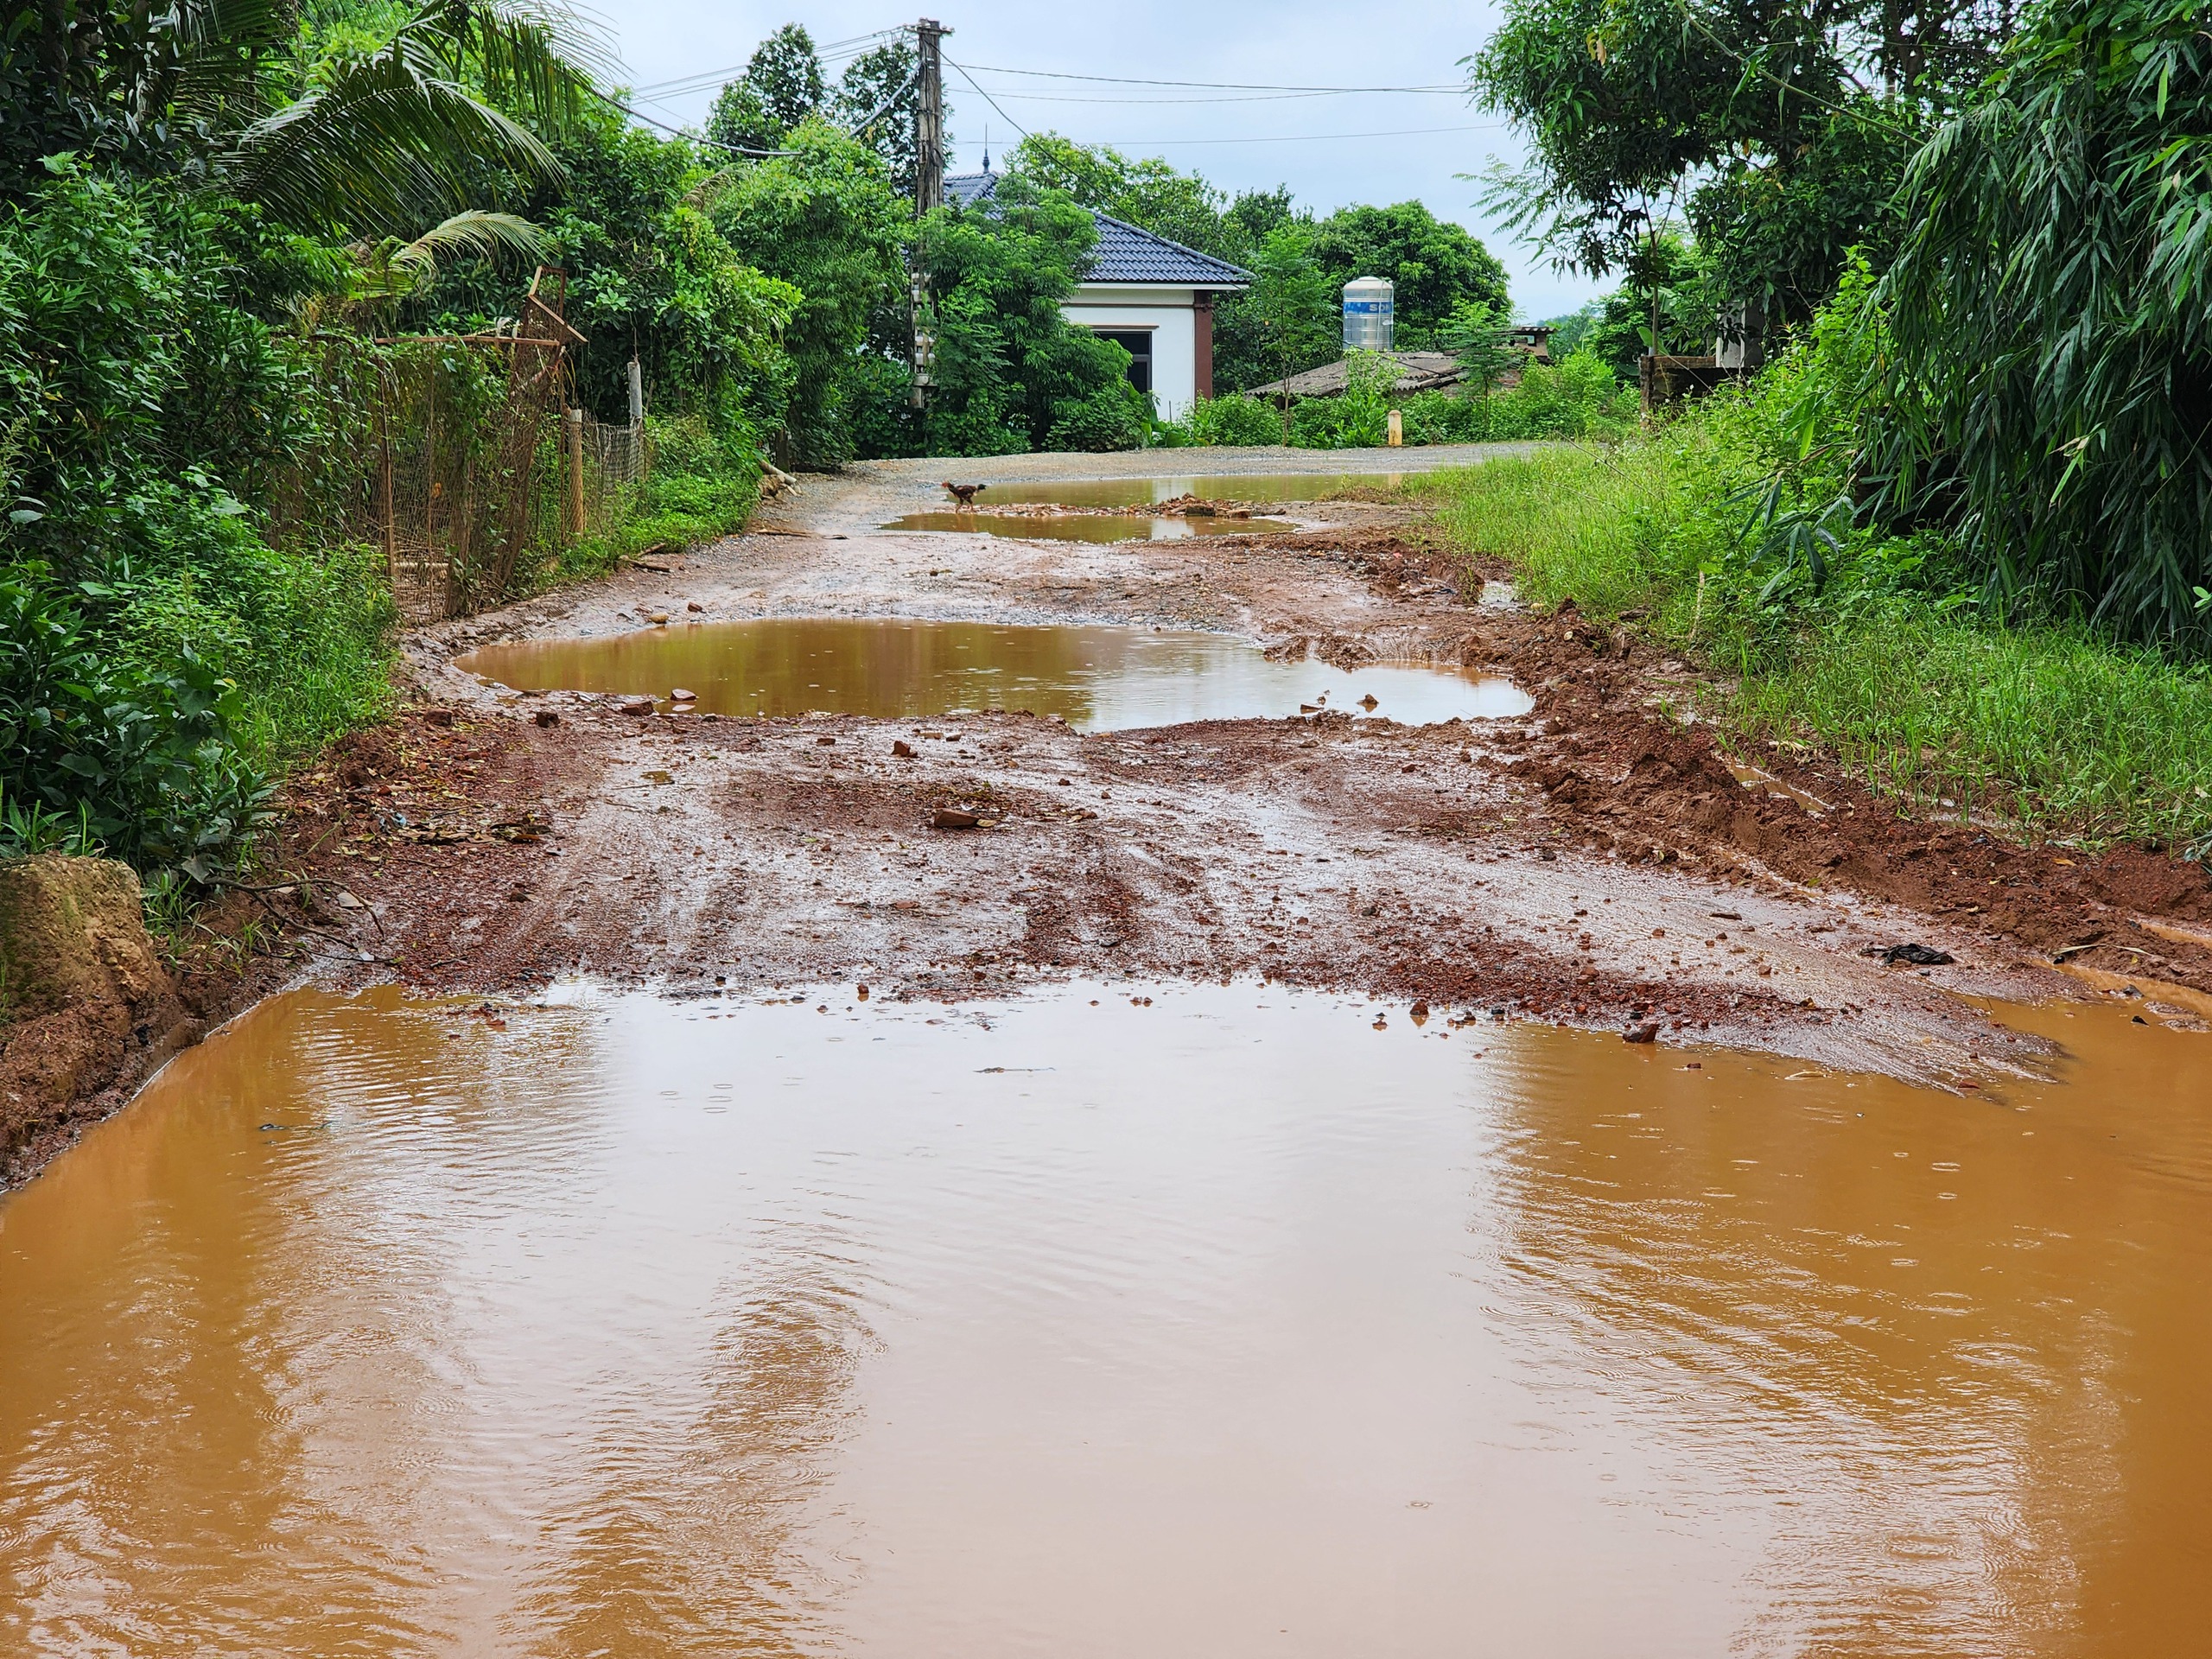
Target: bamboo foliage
{"x": 2048, "y": 360}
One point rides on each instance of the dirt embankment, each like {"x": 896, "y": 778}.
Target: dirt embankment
{"x": 91, "y": 1008}
{"x": 1597, "y": 862}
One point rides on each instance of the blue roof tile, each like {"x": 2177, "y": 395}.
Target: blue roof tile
{"x": 1126, "y": 253}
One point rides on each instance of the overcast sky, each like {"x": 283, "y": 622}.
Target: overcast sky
{"x": 1239, "y": 143}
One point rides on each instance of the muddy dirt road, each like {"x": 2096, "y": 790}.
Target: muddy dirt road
{"x": 1593, "y": 863}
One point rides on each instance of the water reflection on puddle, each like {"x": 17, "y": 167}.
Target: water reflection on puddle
{"x": 1099, "y": 679}
{"x": 1084, "y": 527}
{"x": 1221, "y": 1324}
{"x": 1225, "y": 487}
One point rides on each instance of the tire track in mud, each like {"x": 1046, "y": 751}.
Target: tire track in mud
{"x": 1596, "y": 862}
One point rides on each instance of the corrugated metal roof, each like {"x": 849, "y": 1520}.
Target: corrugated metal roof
{"x": 1126, "y": 253}
{"x": 1417, "y": 371}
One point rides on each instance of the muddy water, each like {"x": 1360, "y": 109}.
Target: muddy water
{"x": 1098, "y": 679}
{"x": 1227, "y": 487}
{"x": 1222, "y": 1325}
{"x": 1083, "y": 527}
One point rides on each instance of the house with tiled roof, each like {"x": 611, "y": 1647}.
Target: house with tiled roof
{"x": 1151, "y": 296}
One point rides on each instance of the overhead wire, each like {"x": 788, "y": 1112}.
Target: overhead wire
{"x": 1214, "y": 86}
{"x": 698, "y": 79}
{"x": 1248, "y": 92}
{"x": 1299, "y": 137}
{"x": 1241, "y": 98}
{"x": 682, "y": 132}
{"x": 986, "y": 96}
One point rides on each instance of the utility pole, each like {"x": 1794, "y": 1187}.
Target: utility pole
{"x": 929, "y": 173}
{"x": 929, "y": 117}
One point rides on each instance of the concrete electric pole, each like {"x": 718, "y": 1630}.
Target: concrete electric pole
{"x": 929, "y": 172}
{"x": 929, "y": 117}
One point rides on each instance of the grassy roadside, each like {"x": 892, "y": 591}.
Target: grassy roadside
{"x": 699, "y": 488}
{"x": 2043, "y": 728}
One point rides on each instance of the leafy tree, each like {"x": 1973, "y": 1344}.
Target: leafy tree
{"x": 1573, "y": 329}
{"x": 1783, "y": 235}
{"x": 383, "y": 143}
{"x": 1435, "y": 266}
{"x": 1255, "y": 216}
{"x": 1778, "y": 127}
{"x": 1482, "y": 341}
{"x": 781, "y": 87}
{"x": 649, "y": 273}
{"x": 1181, "y": 206}
{"x": 878, "y": 100}
{"x": 826, "y": 220}
{"x": 2035, "y": 375}
{"x": 1290, "y": 312}
{"x": 1009, "y": 373}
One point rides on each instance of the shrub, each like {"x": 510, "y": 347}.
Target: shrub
{"x": 1009, "y": 373}
{"x": 1237, "y": 421}
{"x": 143, "y": 758}
{"x": 161, "y": 658}
{"x": 1113, "y": 417}
{"x": 1577, "y": 398}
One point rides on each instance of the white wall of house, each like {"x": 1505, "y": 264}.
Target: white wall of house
{"x": 1167, "y": 313}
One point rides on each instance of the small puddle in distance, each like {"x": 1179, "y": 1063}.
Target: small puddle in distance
{"x": 1218, "y": 1322}
{"x": 1084, "y": 526}
{"x": 1096, "y": 678}
{"x": 1140, "y": 491}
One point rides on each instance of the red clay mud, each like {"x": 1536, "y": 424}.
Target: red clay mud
{"x": 1595, "y": 862}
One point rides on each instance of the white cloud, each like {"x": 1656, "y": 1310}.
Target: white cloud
{"x": 1291, "y": 43}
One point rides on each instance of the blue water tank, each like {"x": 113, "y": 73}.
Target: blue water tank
{"x": 1370, "y": 318}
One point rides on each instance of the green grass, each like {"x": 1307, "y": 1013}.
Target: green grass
{"x": 1611, "y": 529}
{"x": 2060, "y": 732}
{"x": 699, "y": 489}
{"x": 330, "y": 673}
{"x": 2048, "y": 730}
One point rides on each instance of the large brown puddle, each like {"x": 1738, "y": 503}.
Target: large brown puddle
{"x": 1098, "y": 679}
{"x": 1222, "y": 1323}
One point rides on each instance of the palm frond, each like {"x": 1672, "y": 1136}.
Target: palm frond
{"x": 471, "y": 233}
{"x": 206, "y": 57}
{"x": 387, "y": 143}
{"x": 396, "y": 270}
{"x": 542, "y": 59}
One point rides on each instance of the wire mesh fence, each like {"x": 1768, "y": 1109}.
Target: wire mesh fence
{"x": 458, "y": 456}
{"x": 466, "y": 437}
{"x": 614, "y": 455}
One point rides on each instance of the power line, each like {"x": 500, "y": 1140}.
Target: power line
{"x": 694, "y": 137}
{"x": 988, "y": 99}
{"x": 1297, "y": 137}
{"x": 1214, "y": 86}
{"x": 834, "y": 52}
{"x": 1242, "y": 97}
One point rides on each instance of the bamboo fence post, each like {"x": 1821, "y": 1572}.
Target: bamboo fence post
{"x": 575, "y": 472}
{"x": 384, "y": 504}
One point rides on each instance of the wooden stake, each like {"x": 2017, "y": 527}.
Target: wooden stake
{"x": 575, "y": 472}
